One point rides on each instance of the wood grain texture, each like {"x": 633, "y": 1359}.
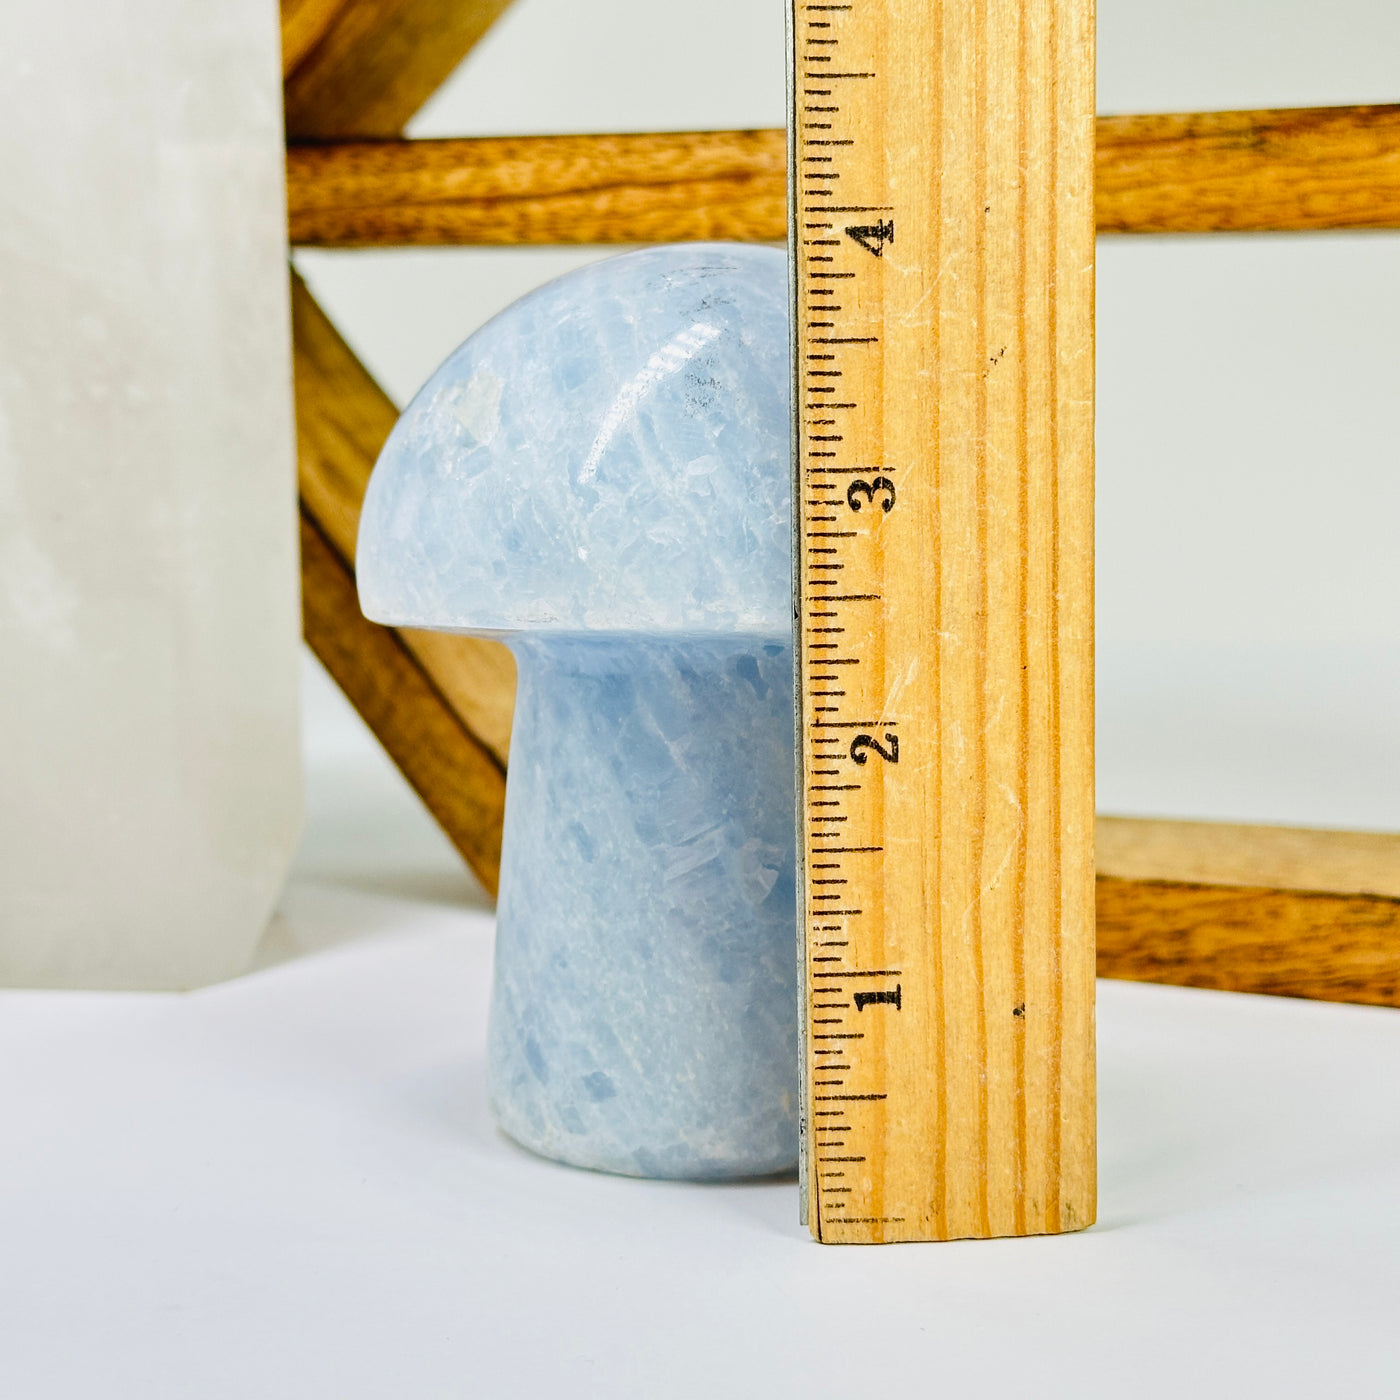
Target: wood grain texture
{"x": 958, "y": 365}
{"x": 1262, "y": 857}
{"x": 1224, "y": 172}
{"x": 343, "y": 418}
{"x": 1193, "y": 173}
{"x": 440, "y": 705}
{"x": 545, "y": 189}
{"x": 368, "y": 67}
{"x": 1326, "y": 947}
{"x": 304, "y": 25}
{"x": 458, "y": 778}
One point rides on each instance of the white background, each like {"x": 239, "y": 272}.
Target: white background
{"x": 1249, "y": 579}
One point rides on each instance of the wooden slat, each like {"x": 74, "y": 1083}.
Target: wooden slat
{"x": 1202, "y": 172}
{"x": 304, "y": 25}
{"x": 458, "y": 778}
{"x": 545, "y": 189}
{"x": 1326, "y": 947}
{"x": 366, "y": 68}
{"x": 1219, "y": 172}
{"x": 343, "y": 418}
{"x": 1261, "y": 857}
{"x": 1279, "y": 910}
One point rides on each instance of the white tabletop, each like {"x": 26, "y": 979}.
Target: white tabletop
{"x": 290, "y": 1185}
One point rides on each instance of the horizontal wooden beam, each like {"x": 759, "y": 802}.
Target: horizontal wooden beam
{"x": 1250, "y": 172}
{"x": 1203, "y": 172}
{"x": 540, "y": 189}
{"x": 1281, "y": 910}
{"x": 1326, "y": 947}
{"x": 1304, "y": 859}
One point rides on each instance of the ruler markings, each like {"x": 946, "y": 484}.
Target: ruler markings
{"x": 981, "y": 1147}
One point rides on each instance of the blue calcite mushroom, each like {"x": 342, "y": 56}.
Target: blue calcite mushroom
{"x": 600, "y": 477}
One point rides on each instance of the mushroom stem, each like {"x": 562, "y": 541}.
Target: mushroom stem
{"x": 645, "y": 1011}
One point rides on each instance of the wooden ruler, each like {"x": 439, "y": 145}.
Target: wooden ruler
{"x": 942, "y": 230}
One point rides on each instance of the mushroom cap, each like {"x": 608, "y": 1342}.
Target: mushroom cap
{"x": 608, "y": 454}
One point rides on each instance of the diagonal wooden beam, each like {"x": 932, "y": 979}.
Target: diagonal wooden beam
{"x": 304, "y": 25}
{"x": 441, "y": 706}
{"x": 364, "y": 68}
{"x": 458, "y": 778}
{"x": 1326, "y": 168}
{"x": 343, "y": 418}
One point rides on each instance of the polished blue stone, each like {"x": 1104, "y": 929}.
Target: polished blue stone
{"x": 600, "y": 475}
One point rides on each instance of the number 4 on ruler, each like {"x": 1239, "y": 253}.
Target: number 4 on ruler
{"x": 873, "y": 237}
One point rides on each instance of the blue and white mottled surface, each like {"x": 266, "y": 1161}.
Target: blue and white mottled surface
{"x": 644, "y": 1018}
{"x": 601, "y": 475}
{"x": 608, "y": 454}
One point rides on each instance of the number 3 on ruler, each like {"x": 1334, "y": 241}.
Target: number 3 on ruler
{"x": 868, "y": 489}
{"x": 864, "y": 741}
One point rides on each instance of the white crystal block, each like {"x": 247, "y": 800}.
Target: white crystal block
{"x": 150, "y": 790}
{"x": 601, "y": 475}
